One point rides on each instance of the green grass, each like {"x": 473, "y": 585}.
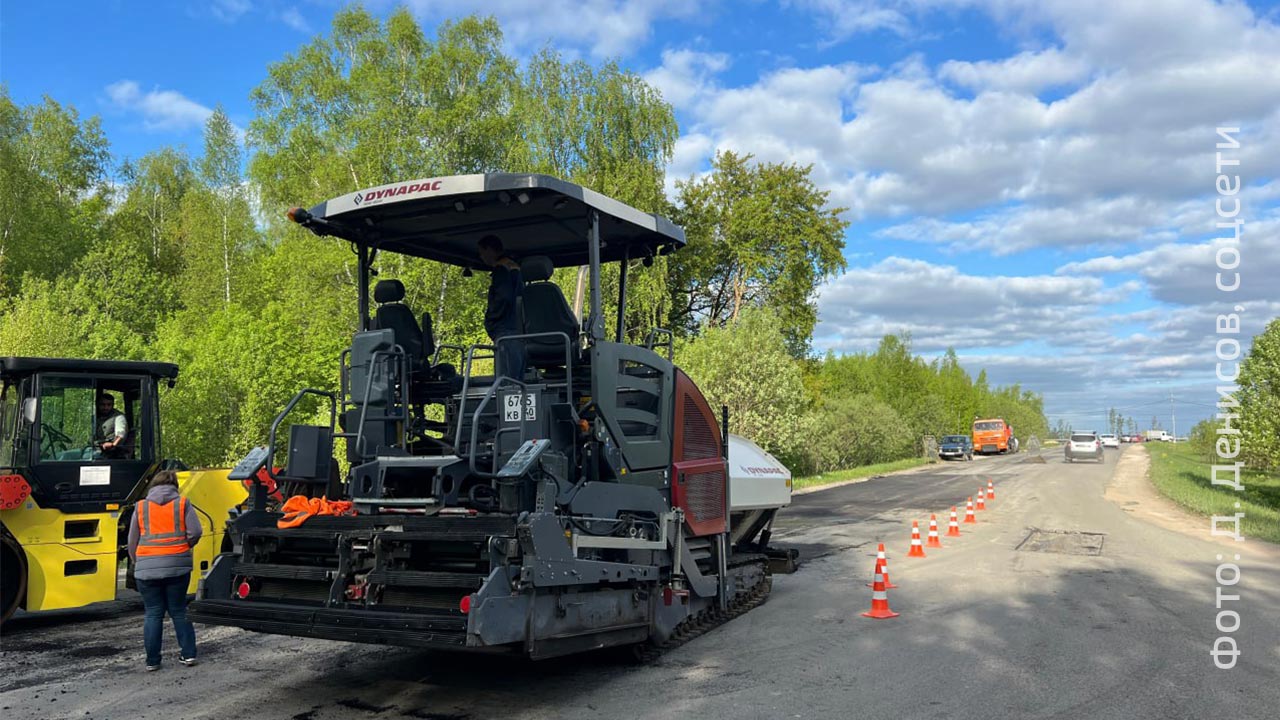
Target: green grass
{"x": 855, "y": 473}
{"x": 1182, "y": 475}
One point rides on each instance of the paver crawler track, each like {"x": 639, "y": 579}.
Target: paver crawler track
{"x": 713, "y": 617}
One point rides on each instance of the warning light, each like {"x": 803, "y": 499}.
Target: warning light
{"x": 465, "y": 604}
{"x": 242, "y": 591}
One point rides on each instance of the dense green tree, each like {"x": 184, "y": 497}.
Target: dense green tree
{"x": 759, "y": 234}
{"x": 848, "y": 431}
{"x": 217, "y": 221}
{"x": 150, "y": 214}
{"x": 745, "y": 366}
{"x": 1259, "y": 397}
{"x": 376, "y": 102}
{"x": 1202, "y": 437}
{"x": 53, "y": 190}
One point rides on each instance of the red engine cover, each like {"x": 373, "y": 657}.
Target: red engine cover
{"x": 698, "y": 471}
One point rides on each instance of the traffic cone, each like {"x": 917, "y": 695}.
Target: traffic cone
{"x": 879, "y": 598}
{"x": 991, "y": 490}
{"x": 982, "y": 504}
{"x": 882, "y": 562}
{"x": 934, "y": 540}
{"x": 969, "y": 517}
{"x": 917, "y": 548}
{"x": 953, "y": 528}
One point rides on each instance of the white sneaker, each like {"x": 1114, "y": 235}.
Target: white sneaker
{"x": 187, "y": 661}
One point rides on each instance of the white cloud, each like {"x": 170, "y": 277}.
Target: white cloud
{"x": 605, "y": 28}
{"x": 229, "y": 11}
{"x": 160, "y": 109}
{"x": 1129, "y": 122}
{"x": 1028, "y": 72}
{"x": 1186, "y": 273}
{"x": 685, "y": 75}
{"x": 941, "y": 307}
{"x": 843, "y": 19}
{"x": 294, "y": 19}
{"x": 1106, "y": 222}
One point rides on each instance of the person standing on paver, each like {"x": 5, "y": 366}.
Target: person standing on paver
{"x": 162, "y": 532}
{"x": 502, "y": 311}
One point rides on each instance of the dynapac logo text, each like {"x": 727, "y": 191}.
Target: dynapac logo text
{"x": 407, "y": 188}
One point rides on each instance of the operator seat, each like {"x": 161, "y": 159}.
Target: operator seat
{"x": 546, "y": 311}
{"x": 431, "y": 384}
{"x": 392, "y": 314}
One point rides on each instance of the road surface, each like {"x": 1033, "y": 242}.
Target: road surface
{"x": 1005, "y": 622}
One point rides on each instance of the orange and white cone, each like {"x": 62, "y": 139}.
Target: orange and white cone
{"x": 879, "y": 598}
{"x": 953, "y": 527}
{"x": 991, "y": 490}
{"x": 882, "y": 562}
{"x": 934, "y": 540}
{"x": 969, "y": 517}
{"x": 982, "y": 503}
{"x": 917, "y": 547}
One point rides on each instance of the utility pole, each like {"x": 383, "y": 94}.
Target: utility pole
{"x": 1173, "y": 415}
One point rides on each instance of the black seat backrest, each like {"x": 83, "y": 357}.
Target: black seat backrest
{"x": 371, "y": 377}
{"x": 371, "y": 374}
{"x": 394, "y": 315}
{"x": 545, "y": 310}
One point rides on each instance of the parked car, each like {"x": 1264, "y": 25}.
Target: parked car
{"x": 1109, "y": 440}
{"x": 1084, "y": 445}
{"x": 959, "y": 447}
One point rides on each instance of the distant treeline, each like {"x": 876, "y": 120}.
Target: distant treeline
{"x": 187, "y": 258}
{"x": 834, "y": 412}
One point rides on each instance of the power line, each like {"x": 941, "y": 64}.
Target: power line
{"x": 1117, "y": 409}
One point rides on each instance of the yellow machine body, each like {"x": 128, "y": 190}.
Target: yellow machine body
{"x": 74, "y": 560}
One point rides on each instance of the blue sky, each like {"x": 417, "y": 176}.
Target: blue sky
{"x": 1029, "y": 181}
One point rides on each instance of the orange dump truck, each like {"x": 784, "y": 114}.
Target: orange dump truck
{"x": 993, "y": 435}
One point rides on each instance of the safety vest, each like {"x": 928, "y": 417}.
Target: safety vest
{"x": 162, "y": 529}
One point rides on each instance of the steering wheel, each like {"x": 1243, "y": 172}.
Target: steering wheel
{"x": 58, "y": 437}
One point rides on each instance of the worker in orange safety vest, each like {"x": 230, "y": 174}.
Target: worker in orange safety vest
{"x": 162, "y": 532}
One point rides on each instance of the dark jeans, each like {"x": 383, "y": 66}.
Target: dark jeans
{"x": 509, "y": 358}
{"x": 161, "y": 596}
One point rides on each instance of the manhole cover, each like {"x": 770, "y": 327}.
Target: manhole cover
{"x": 1063, "y": 542}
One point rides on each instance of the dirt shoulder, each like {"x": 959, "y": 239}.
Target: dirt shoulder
{"x": 1131, "y": 489}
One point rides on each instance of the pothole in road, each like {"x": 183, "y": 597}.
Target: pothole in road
{"x": 1062, "y": 542}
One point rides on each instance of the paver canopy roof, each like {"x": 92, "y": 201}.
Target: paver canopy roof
{"x": 443, "y": 218}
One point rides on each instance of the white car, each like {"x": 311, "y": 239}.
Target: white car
{"x": 1083, "y": 445}
{"x": 1109, "y": 440}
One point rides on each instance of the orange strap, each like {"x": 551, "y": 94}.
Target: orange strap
{"x": 299, "y": 507}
